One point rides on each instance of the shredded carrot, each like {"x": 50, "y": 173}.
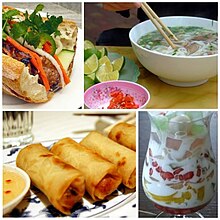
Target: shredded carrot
{"x": 65, "y": 76}
{"x": 35, "y": 60}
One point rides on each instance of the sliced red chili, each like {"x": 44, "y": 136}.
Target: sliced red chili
{"x": 121, "y": 101}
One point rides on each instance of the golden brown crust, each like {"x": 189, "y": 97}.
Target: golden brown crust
{"x": 63, "y": 185}
{"x": 14, "y": 78}
{"x": 124, "y": 158}
{"x": 124, "y": 134}
{"x": 101, "y": 176}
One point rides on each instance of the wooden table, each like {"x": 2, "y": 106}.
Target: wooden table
{"x": 164, "y": 96}
{"x": 146, "y": 207}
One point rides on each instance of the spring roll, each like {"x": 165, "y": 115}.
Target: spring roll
{"x": 124, "y": 134}
{"x": 122, "y": 157}
{"x": 101, "y": 176}
{"x": 60, "y": 182}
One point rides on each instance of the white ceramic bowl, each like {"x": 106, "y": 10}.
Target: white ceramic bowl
{"x": 7, "y": 208}
{"x": 176, "y": 70}
{"x": 98, "y": 96}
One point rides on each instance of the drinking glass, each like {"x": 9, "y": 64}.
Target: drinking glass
{"x": 179, "y": 173}
{"x": 17, "y": 126}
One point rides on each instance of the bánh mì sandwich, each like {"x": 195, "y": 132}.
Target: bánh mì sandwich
{"x": 38, "y": 54}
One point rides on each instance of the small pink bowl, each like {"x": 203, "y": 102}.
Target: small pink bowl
{"x": 98, "y": 96}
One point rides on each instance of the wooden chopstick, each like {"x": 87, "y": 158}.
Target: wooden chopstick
{"x": 158, "y": 24}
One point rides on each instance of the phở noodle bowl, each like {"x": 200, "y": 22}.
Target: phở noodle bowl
{"x": 191, "y": 63}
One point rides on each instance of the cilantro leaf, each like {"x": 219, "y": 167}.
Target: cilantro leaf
{"x": 19, "y": 29}
{"x": 33, "y": 27}
{"x": 6, "y": 16}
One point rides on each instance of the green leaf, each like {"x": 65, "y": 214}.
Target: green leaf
{"x": 33, "y": 38}
{"x": 50, "y": 26}
{"x": 18, "y": 30}
{"x": 9, "y": 14}
{"x": 37, "y": 9}
{"x": 33, "y": 27}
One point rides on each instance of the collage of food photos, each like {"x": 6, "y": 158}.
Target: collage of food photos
{"x": 109, "y": 109}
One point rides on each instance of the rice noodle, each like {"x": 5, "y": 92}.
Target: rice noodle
{"x": 193, "y": 41}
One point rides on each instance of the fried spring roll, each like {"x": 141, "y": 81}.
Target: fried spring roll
{"x": 60, "y": 182}
{"x": 122, "y": 157}
{"x": 124, "y": 134}
{"x": 101, "y": 176}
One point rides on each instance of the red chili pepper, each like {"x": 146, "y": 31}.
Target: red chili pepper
{"x": 47, "y": 47}
{"x": 121, "y": 101}
{"x": 7, "y": 181}
{"x": 8, "y": 191}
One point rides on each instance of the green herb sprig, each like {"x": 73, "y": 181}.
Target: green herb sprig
{"x": 33, "y": 29}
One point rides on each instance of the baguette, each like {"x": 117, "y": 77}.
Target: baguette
{"x": 22, "y": 78}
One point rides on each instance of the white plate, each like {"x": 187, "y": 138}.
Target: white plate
{"x": 36, "y": 204}
{"x": 68, "y": 98}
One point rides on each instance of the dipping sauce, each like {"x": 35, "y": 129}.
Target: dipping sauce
{"x": 192, "y": 41}
{"x": 13, "y": 185}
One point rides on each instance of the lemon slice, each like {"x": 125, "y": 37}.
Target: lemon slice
{"x": 88, "y": 44}
{"x": 118, "y": 63}
{"x": 106, "y": 76}
{"x": 91, "y": 65}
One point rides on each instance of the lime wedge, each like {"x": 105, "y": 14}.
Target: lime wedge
{"x": 107, "y": 76}
{"x": 88, "y": 44}
{"x": 91, "y": 64}
{"x": 118, "y": 63}
{"x": 107, "y": 63}
{"x": 103, "y": 52}
{"x": 88, "y": 82}
{"x": 91, "y": 76}
{"x": 89, "y": 52}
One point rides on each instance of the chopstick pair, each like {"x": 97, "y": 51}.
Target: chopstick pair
{"x": 161, "y": 27}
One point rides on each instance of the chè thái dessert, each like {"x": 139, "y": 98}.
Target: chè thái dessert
{"x": 179, "y": 173}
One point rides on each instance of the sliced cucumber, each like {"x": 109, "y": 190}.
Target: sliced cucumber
{"x": 66, "y": 57}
